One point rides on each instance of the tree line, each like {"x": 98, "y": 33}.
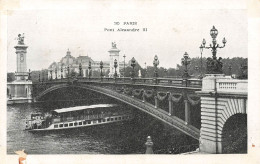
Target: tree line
{"x": 194, "y": 70}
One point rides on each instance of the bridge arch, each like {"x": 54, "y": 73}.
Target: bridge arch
{"x": 145, "y": 107}
{"x": 215, "y": 115}
{"x": 234, "y": 134}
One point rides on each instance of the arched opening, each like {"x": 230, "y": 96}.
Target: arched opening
{"x": 234, "y": 135}
{"x": 26, "y": 92}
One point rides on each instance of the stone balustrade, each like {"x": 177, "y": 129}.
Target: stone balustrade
{"x": 231, "y": 85}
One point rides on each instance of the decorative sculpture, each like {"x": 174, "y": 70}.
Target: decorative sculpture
{"x": 20, "y": 39}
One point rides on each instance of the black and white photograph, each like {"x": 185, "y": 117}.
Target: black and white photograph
{"x": 129, "y": 78}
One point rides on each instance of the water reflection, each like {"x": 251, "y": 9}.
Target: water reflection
{"x": 117, "y": 138}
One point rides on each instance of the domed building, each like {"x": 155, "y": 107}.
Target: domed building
{"x": 69, "y": 63}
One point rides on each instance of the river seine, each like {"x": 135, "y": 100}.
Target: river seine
{"x": 116, "y": 138}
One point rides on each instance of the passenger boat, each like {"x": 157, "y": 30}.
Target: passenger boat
{"x": 80, "y": 116}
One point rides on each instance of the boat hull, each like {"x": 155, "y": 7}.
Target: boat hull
{"x": 82, "y": 123}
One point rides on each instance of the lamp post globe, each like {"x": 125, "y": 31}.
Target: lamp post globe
{"x": 80, "y": 69}
{"x": 214, "y": 65}
{"x": 89, "y": 69}
{"x": 155, "y": 64}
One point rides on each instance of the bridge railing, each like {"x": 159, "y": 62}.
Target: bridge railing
{"x": 231, "y": 85}
{"x": 128, "y": 80}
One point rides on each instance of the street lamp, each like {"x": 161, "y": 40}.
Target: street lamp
{"x": 145, "y": 69}
{"x": 39, "y": 77}
{"x": 89, "y": 69}
{"x": 155, "y": 64}
{"x": 133, "y": 63}
{"x": 124, "y": 65}
{"x": 61, "y": 70}
{"x": 214, "y": 65}
{"x": 80, "y": 69}
{"x": 42, "y": 76}
{"x": 201, "y": 50}
{"x": 185, "y": 61}
{"x": 101, "y": 67}
{"x": 230, "y": 69}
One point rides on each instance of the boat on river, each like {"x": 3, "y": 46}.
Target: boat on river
{"x": 79, "y": 116}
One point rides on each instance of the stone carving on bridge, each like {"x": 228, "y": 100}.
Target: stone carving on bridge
{"x": 148, "y": 93}
{"x": 128, "y": 91}
{"x": 193, "y": 99}
{"x": 214, "y": 66}
{"x": 162, "y": 95}
{"x": 137, "y": 92}
{"x": 176, "y": 97}
{"x": 120, "y": 90}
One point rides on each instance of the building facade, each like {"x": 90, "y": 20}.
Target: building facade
{"x": 69, "y": 64}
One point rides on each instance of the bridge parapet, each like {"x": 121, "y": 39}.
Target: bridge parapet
{"x": 196, "y": 83}
{"x": 232, "y": 85}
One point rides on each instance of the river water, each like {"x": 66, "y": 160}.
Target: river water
{"x": 117, "y": 138}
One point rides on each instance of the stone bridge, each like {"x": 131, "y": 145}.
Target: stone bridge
{"x": 146, "y": 94}
{"x": 213, "y": 101}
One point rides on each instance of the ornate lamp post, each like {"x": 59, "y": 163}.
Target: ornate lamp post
{"x": 185, "y": 61}
{"x": 230, "y": 69}
{"x": 61, "y": 70}
{"x": 80, "y": 69}
{"x": 133, "y": 66}
{"x": 155, "y": 64}
{"x": 101, "y": 67}
{"x": 214, "y": 65}
{"x": 145, "y": 69}
{"x": 56, "y": 73}
{"x": 39, "y": 77}
{"x": 89, "y": 69}
{"x": 115, "y": 66}
{"x": 124, "y": 65}
{"x": 201, "y": 64}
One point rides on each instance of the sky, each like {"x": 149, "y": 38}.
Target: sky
{"x": 170, "y": 33}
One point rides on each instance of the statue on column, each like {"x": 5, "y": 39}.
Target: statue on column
{"x": 113, "y": 44}
{"x": 20, "y": 39}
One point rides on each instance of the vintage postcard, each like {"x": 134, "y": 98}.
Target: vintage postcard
{"x": 129, "y": 82}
